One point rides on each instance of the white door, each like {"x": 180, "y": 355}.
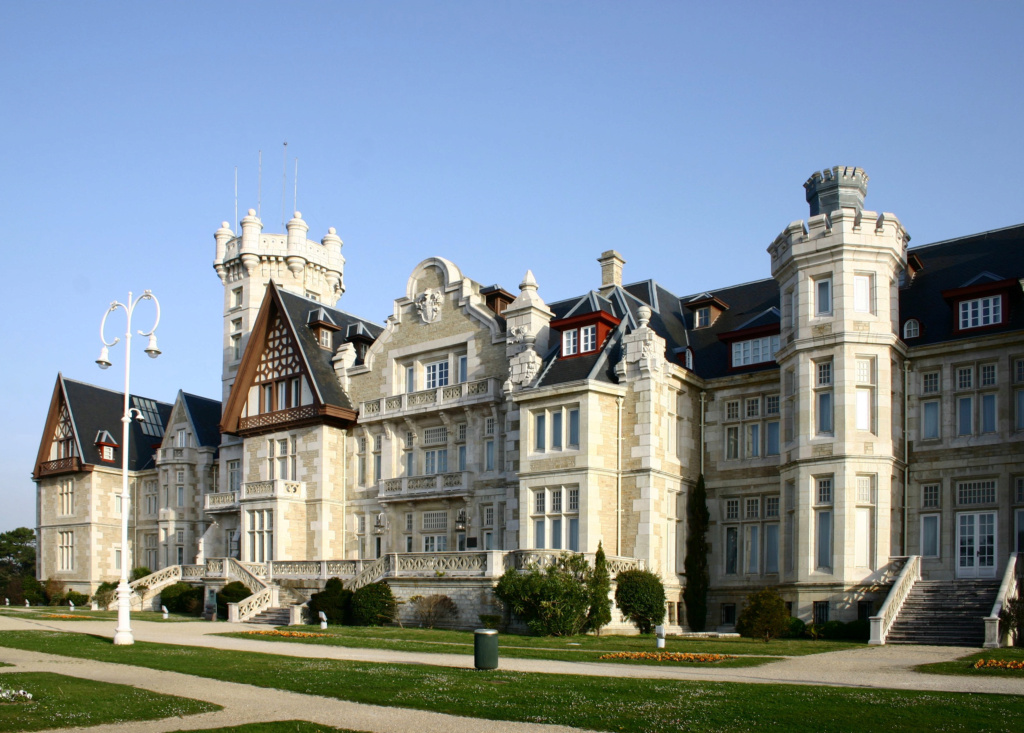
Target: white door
{"x": 976, "y": 545}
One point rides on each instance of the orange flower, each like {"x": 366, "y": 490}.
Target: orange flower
{"x": 999, "y": 664}
{"x": 288, "y": 634}
{"x": 668, "y": 656}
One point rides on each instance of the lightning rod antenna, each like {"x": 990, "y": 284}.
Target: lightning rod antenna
{"x": 295, "y": 201}
{"x": 236, "y": 200}
{"x": 259, "y": 187}
{"x": 284, "y": 182}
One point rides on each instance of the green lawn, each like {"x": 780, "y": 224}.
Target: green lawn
{"x": 597, "y": 703}
{"x": 278, "y": 726}
{"x": 965, "y": 665}
{"x": 71, "y": 702}
{"x": 439, "y": 640}
{"x": 46, "y": 613}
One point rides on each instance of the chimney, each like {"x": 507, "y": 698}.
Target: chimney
{"x": 843, "y": 187}
{"x": 611, "y": 268}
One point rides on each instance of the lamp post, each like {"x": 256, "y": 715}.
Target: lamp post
{"x": 123, "y": 633}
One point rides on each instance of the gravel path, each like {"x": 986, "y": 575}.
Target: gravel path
{"x": 872, "y": 667}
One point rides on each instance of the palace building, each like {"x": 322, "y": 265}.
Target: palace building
{"x": 858, "y": 417}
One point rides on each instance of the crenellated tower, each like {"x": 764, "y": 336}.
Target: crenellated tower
{"x": 840, "y": 366}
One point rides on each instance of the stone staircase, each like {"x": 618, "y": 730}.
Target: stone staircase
{"x": 945, "y": 613}
{"x": 281, "y": 615}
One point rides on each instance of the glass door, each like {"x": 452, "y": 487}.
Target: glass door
{"x": 976, "y": 545}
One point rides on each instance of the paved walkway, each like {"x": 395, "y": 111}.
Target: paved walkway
{"x": 872, "y": 667}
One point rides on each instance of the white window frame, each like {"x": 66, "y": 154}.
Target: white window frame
{"x": 980, "y": 312}
{"x": 936, "y": 520}
{"x": 436, "y": 374}
{"x": 755, "y": 351}
{"x": 588, "y": 339}
{"x": 863, "y": 292}
{"x": 911, "y": 329}
{"x": 823, "y": 296}
{"x": 570, "y": 342}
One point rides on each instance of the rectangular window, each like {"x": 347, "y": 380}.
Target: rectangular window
{"x": 408, "y": 521}
{"x": 965, "y": 378}
{"x": 771, "y": 548}
{"x": 574, "y": 500}
{"x": 771, "y": 405}
{"x": 588, "y": 338}
{"x": 1018, "y": 370}
{"x": 538, "y": 530}
{"x": 539, "y": 502}
{"x": 574, "y": 428}
{"x": 67, "y": 496}
{"x": 556, "y": 500}
{"x": 771, "y": 439}
{"x": 864, "y": 417}
{"x": 463, "y": 369}
{"x": 988, "y": 375}
{"x": 236, "y": 298}
{"x": 930, "y": 383}
{"x": 462, "y": 458}
{"x": 824, "y": 410}
{"x": 410, "y": 463}
{"x": 540, "y": 431}
{"x": 117, "y": 559}
{"x": 573, "y": 541}
{"x": 988, "y": 413}
{"x": 753, "y": 548}
{"x": 753, "y": 407}
{"x": 432, "y": 436}
{"x": 753, "y": 509}
{"x": 753, "y": 440}
{"x": 930, "y": 420}
{"x": 181, "y": 496}
{"x": 732, "y": 443}
{"x": 824, "y": 554}
{"x": 437, "y": 374}
{"x": 823, "y": 297}
{"x": 976, "y": 492}
{"x": 930, "y": 535}
{"x": 408, "y": 543}
{"x": 1019, "y": 423}
{"x": 181, "y": 439}
{"x": 556, "y": 430}
{"x": 731, "y": 550}
{"x": 410, "y": 379}
{"x": 824, "y": 486}
{"x": 435, "y": 461}
{"x": 376, "y": 467}
{"x": 66, "y": 551}
{"x": 489, "y": 455}
{"x": 556, "y": 533}
{"x": 981, "y": 312}
{"x": 489, "y": 425}
{"x": 732, "y": 508}
{"x": 489, "y": 516}
{"x": 930, "y": 495}
{"x": 771, "y": 507}
{"x": 862, "y": 293}
{"x": 965, "y": 416}
{"x": 820, "y": 612}
{"x": 865, "y": 489}
{"x": 702, "y": 317}
{"x": 732, "y": 410}
{"x": 569, "y": 342}
{"x": 728, "y": 614}
{"x": 434, "y": 521}
{"x": 754, "y": 351}
{"x": 460, "y": 433}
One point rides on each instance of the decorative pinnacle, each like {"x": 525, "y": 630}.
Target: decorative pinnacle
{"x": 529, "y": 281}
{"x": 842, "y": 187}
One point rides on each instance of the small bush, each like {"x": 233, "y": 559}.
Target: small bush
{"x": 374, "y": 605}
{"x": 182, "y": 598}
{"x": 230, "y": 593}
{"x": 53, "y": 591}
{"x": 105, "y": 594}
{"x": 1011, "y": 621}
{"x": 490, "y": 620}
{"x": 433, "y": 609}
{"x": 764, "y": 616}
{"x": 79, "y": 599}
{"x": 138, "y": 573}
{"x": 335, "y": 600}
{"x": 555, "y": 601}
{"x": 833, "y": 630}
{"x": 857, "y": 630}
{"x": 796, "y": 629}
{"x": 640, "y": 595}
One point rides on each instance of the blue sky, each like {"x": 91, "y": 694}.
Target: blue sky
{"x": 501, "y": 135}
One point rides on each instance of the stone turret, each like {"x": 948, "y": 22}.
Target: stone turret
{"x": 528, "y": 319}
{"x": 842, "y": 187}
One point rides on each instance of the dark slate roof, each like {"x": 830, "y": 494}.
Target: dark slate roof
{"x": 95, "y": 409}
{"x": 297, "y": 309}
{"x": 204, "y": 414}
{"x": 957, "y": 263}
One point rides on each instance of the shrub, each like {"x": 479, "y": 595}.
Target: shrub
{"x": 79, "y": 599}
{"x": 695, "y": 565}
{"x": 796, "y": 629}
{"x": 335, "y": 600}
{"x": 182, "y": 598}
{"x": 231, "y": 593}
{"x": 433, "y": 609}
{"x": 833, "y": 630}
{"x": 640, "y": 596}
{"x": 53, "y": 591}
{"x": 138, "y": 573}
{"x": 374, "y": 605}
{"x": 857, "y": 630}
{"x": 1011, "y": 621}
{"x": 490, "y": 620}
{"x": 600, "y": 586}
{"x": 551, "y": 602}
{"x": 764, "y": 615}
{"x": 105, "y": 594}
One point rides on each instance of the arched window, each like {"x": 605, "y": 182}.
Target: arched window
{"x": 911, "y": 329}
{"x": 689, "y": 359}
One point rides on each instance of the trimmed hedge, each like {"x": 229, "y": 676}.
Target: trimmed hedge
{"x": 640, "y": 595}
{"x": 335, "y": 600}
{"x": 182, "y": 598}
{"x": 374, "y": 605}
{"x": 231, "y": 593}
{"x": 764, "y": 615}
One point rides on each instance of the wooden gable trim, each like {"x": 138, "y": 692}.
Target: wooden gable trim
{"x": 58, "y": 398}
{"x": 254, "y": 349}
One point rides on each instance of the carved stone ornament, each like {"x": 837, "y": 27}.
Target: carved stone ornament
{"x": 428, "y": 305}
{"x": 518, "y": 334}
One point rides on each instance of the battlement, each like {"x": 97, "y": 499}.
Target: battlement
{"x": 838, "y": 188}
{"x": 294, "y": 249}
{"x": 863, "y": 229}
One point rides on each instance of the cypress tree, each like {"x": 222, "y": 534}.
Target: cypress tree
{"x": 698, "y": 578}
{"x": 600, "y": 586}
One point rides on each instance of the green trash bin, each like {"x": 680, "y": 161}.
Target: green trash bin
{"x": 485, "y": 649}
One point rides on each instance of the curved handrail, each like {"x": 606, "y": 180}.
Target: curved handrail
{"x": 1009, "y": 589}
{"x": 882, "y": 623}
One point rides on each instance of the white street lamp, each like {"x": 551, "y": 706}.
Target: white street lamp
{"x": 123, "y": 634}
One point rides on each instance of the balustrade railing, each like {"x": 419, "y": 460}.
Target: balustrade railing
{"x": 273, "y": 489}
{"x": 193, "y": 572}
{"x": 222, "y": 500}
{"x": 268, "y": 419}
{"x": 472, "y": 564}
{"x": 432, "y": 484}
{"x": 1009, "y": 590}
{"x": 480, "y": 390}
{"x": 60, "y": 465}
{"x": 882, "y": 623}
{"x": 371, "y": 573}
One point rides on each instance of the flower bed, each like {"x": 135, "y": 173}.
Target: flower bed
{"x": 288, "y": 634}
{"x": 10, "y": 696}
{"x": 66, "y": 616}
{"x": 1016, "y": 664}
{"x": 668, "y": 656}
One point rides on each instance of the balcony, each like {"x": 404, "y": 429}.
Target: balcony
{"x": 61, "y": 465}
{"x": 273, "y": 489}
{"x": 452, "y": 395}
{"x": 280, "y": 417}
{"x": 177, "y": 455}
{"x": 409, "y": 488}
{"x": 225, "y": 501}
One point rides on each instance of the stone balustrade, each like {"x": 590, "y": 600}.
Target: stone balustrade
{"x": 425, "y": 487}
{"x": 910, "y": 573}
{"x": 181, "y": 455}
{"x": 451, "y": 395}
{"x": 221, "y": 502}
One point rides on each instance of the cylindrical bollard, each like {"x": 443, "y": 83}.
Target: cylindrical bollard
{"x": 485, "y": 649}
{"x": 659, "y": 632}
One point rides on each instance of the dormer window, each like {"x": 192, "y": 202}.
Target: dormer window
{"x": 570, "y": 342}
{"x": 105, "y": 443}
{"x": 706, "y": 309}
{"x": 702, "y": 317}
{"x": 981, "y": 302}
{"x": 585, "y": 333}
{"x": 325, "y": 338}
{"x": 981, "y": 312}
{"x": 107, "y": 454}
{"x": 911, "y": 329}
{"x": 689, "y": 359}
